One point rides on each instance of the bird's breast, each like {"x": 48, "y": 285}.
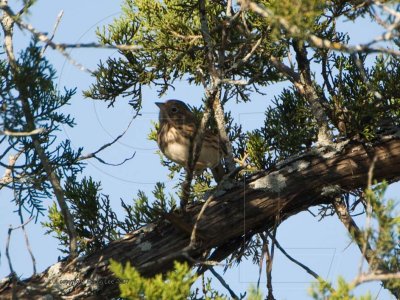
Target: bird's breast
{"x": 175, "y": 147}
{"x": 173, "y": 144}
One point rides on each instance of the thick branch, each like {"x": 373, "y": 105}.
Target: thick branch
{"x": 245, "y": 208}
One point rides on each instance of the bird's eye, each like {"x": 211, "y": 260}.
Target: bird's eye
{"x": 174, "y": 109}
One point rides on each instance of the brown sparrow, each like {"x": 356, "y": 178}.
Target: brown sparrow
{"x": 177, "y": 130}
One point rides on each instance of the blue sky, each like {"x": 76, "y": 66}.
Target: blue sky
{"x": 324, "y": 246}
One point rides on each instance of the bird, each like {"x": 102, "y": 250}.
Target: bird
{"x": 178, "y": 128}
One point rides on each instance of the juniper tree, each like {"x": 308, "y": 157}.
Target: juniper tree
{"x": 332, "y": 129}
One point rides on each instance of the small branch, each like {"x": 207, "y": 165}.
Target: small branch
{"x": 304, "y": 267}
{"x": 235, "y": 82}
{"x": 223, "y": 282}
{"x": 58, "y": 20}
{"x": 368, "y": 211}
{"x": 191, "y": 38}
{"x": 229, "y": 8}
{"x": 315, "y": 40}
{"x": 7, "y": 24}
{"x": 362, "y": 243}
{"x": 269, "y": 258}
{"x": 59, "y": 47}
{"x": 27, "y": 243}
{"x": 10, "y": 229}
{"x": 40, "y": 36}
{"x": 305, "y": 86}
{"x": 8, "y": 174}
{"x": 261, "y": 262}
{"x": 291, "y": 74}
{"x": 199, "y": 216}
{"x": 21, "y": 133}
{"x": 220, "y": 119}
{"x": 122, "y": 47}
{"x": 17, "y": 198}
{"x": 196, "y": 143}
{"x": 209, "y": 43}
{"x": 194, "y": 153}
{"x": 94, "y": 154}
{"x": 246, "y": 57}
{"x": 375, "y": 277}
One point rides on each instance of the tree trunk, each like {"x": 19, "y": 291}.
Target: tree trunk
{"x": 292, "y": 186}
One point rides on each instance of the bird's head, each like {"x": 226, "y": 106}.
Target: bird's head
{"x": 175, "y": 111}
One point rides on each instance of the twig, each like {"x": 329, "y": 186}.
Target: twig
{"x": 368, "y": 211}
{"x": 235, "y": 82}
{"x": 229, "y": 8}
{"x": 194, "y": 153}
{"x": 246, "y": 57}
{"x": 27, "y": 243}
{"x": 356, "y": 234}
{"x": 8, "y": 174}
{"x": 17, "y": 198}
{"x": 220, "y": 119}
{"x": 213, "y": 90}
{"x": 21, "y": 133}
{"x": 10, "y": 229}
{"x": 204, "y": 28}
{"x": 41, "y": 36}
{"x": 269, "y": 258}
{"x": 7, "y": 24}
{"x": 375, "y": 277}
{"x": 223, "y": 282}
{"x": 292, "y": 75}
{"x": 60, "y": 47}
{"x": 94, "y": 154}
{"x": 196, "y": 143}
{"x": 122, "y": 47}
{"x": 305, "y": 86}
{"x": 304, "y": 267}
{"x": 58, "y": 20}
{"x": 199, "y": 216}
{"x": 315, "y": 40}
{"x": 260, "y": 264}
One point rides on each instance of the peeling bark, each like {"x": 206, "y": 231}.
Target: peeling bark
{"x": 237, "y": 212}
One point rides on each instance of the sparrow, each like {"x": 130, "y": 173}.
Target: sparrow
{"x": 177, "y": 129}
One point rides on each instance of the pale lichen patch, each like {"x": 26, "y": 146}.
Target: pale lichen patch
{"x": 299, "y": 165}
{"x": 54, "y": 270}
{"x": 330, "y": 190}
{"x": 146, "y": 246}
{"x": 148, "y": 228}
{"x": 329, "y": 154}
{"x": 274, "y": 182}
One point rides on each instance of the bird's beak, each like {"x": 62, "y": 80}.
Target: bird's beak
{"x": 160, "y": 104}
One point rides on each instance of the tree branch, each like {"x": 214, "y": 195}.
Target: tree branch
{"x": 290, "y": 187}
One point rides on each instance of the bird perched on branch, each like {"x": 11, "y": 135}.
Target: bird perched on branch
{"x": 177, "y": 131}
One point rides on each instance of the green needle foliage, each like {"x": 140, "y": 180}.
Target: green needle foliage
{"x": 31, "y": 82}
{"x": 381, "y": 234}
{"x": 95, "y": 221}
{"x": 175, "y": 285}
